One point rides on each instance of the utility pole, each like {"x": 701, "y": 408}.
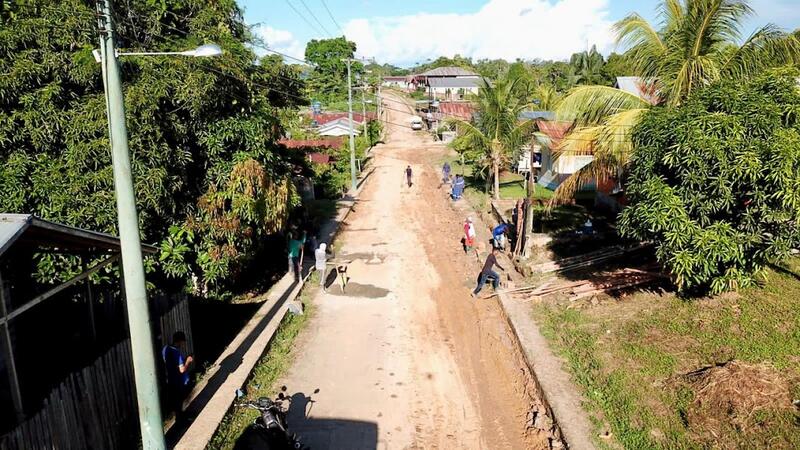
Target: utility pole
{"x": 353, "y": 184}
{"x": 144, "y": 367}
{"x": 364, "y": 106}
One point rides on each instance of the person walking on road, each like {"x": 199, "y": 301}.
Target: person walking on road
{"x": 320, "y": 263}
{"x": 487, "y": 273}
{"x": 446, "y": 172}
{"x": 469, "y": 235}
{"x": 296, "y": 253}
{"x": 409, "y": 175}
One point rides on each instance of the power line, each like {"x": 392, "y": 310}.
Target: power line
{"x": 303, "y": 17}
{"x": 314, "y": 16}
{"x": 330, "y": 14}
{"x": 270, "y": 88}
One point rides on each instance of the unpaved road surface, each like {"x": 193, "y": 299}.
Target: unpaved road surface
{"x": 406, "y": 359}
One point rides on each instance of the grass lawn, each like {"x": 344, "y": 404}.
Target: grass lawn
{"x": 634, "y": 357}
{"x": 269, "y": 369}
{"x": 512, "y": 185}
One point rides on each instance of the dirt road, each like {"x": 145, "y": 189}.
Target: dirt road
{"x": 406, "y": 359}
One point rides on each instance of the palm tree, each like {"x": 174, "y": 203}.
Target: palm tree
{"x": 588, "y": 66}
{"x": 695, "y": 45}
{"x": 497, "y": 133}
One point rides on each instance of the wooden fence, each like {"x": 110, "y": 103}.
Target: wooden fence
{"x": 95, "y": 408}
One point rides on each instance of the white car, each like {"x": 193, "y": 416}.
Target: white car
{"x": 416, "y": 123}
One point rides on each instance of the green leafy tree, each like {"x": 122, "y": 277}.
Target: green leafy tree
{"x": 588, "y": 66}
{"x": 190, "y": 121}
{"x": 696, "y": 44}
{"x": 492, "y": 68}
{"x": 715, "y": 182}
{"x": 328, "y": 80}
{"x": 618, "y": 65}
{"x": 497, "y": 133}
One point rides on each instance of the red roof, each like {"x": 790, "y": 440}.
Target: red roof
{"x": 556, "y": 131}
{"x": 461, "y": 110}
{"x": 320, "y": 158}
{"x": 335, "y": 142}
{"x": 324, "y": 118}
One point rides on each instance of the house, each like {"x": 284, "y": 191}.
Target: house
{"x": 555, "y": 171}
{"x": 339, "y": 127}
{"x": 400, "y": 82}
{"x": 640, "y": 87}
{"x": 450, "y": 89}
{"x": 81, "y": 323}
{"x": 448, "y": 83}
{"x": 324, "y": 118}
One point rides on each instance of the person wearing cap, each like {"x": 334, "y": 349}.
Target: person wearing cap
{"x": 469, "y": 235}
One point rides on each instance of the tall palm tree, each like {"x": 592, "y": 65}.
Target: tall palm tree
{"x": 588, "y": 66}
{"x": 696, "y": 44}
{"x": 497, "y": 133}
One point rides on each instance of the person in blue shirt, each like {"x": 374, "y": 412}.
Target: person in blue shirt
{"x": 176, "y": 368}
{"x": 499, "y": 236}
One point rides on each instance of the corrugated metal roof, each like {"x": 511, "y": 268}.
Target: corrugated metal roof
{"x": 448, "y": 72}
{"x": 33, "y": 231}
{"x": 11, "y": 227}
{"x": 455, "y": 83}
{"x": 461, "y": 110}
{"x": 533, "y": 115}
{"x": 638, "y": 86}
{"x": 311, "y": 143}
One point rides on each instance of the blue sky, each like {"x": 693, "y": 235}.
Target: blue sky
{"x": 405, "y": 32}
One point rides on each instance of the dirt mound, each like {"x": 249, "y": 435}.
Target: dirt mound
{"x": 729, "y": 396}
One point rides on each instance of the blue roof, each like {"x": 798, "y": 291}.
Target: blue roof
{"x": 533, "y": 115}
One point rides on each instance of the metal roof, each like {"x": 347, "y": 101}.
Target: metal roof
{"x": 455, "y": 82}
{"x": 643, "y": 88}
{"x": 30, "y": 231}
{"x": 448, "y": 72}
{"x": 533, "y": 115}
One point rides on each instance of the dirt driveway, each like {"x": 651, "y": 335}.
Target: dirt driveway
{"x": 406, "y": 359}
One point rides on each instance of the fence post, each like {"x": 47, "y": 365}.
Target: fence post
{"x": 13, "y": 379}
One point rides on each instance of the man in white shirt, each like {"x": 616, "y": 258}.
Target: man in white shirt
{"x": 321, "y": 260}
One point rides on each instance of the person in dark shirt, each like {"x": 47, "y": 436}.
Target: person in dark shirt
{"x": 487, "y": 273}
{"x": 409, "y": 174}
{"x": 176, "y": 368}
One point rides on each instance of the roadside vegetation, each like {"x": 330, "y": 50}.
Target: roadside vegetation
{"x": 663, "y": 372}
{"x": 269, "y": 369}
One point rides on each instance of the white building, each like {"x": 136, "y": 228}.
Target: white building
{"x": 338, "y": 127}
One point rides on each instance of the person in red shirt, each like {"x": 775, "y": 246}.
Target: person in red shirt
{"x": 469, "y": 235}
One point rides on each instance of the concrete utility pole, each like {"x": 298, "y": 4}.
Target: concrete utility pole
{"x": 364, "y": 106}
{"x": 144, "y": 367}
{"x": 353, "y": 184}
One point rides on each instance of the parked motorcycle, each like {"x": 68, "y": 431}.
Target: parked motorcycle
{"x": 269, "y": 431}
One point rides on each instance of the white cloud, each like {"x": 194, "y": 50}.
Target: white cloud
{"x": 507, "y": 29}
{"x": 280, "y": 40}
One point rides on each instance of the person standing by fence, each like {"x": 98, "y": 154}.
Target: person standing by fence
{"x": 176, "y": 367}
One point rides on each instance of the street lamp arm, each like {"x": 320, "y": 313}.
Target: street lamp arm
{"x": 186, "y": 53}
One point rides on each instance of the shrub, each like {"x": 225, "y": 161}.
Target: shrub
{"x": 715, "y": 182}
